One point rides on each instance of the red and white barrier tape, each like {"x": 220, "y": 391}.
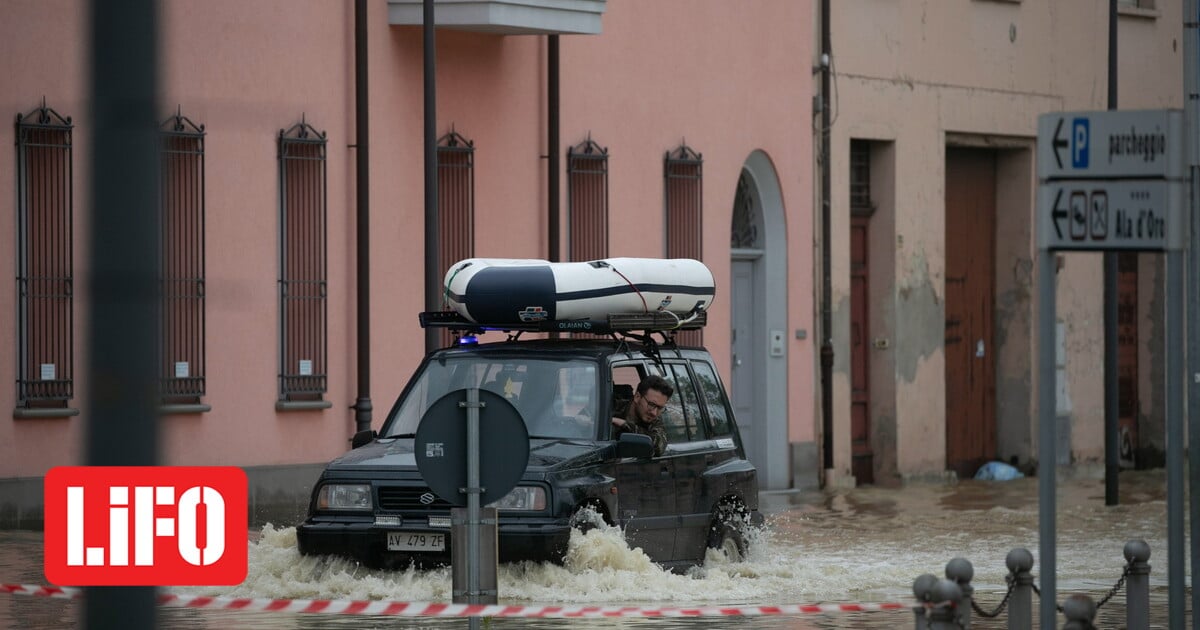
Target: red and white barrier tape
{"x": 433, "y": 609}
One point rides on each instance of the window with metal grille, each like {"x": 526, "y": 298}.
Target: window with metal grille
{"x": 181, "y": 163}
{"x": 45, "y": 266}
{"x": 303, "y": 344}
{"x": 683, "y": 179}
{"x": 860, "y": 177}
{"x": 456, "y": 204}
{"x": 587, "y": 201}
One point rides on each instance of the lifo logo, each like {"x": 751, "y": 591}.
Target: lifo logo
{"x": 145, "y": 525}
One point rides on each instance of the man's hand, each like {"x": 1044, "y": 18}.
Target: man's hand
{"x": 618, "y": 422}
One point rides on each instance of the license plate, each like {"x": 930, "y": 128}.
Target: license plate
{"x": 416, "y": 541}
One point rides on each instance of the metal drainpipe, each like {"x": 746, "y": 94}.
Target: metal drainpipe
{"x": 362, "y": 406}
{"x": 826, "y": 242}
{"x": 1112, "y": 439}
{"x": 433, "y": 283}
{"x": 552, "y": 141}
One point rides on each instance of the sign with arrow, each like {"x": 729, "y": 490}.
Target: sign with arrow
{"x": 1103, "y": 215}
{"x": 1111, "y": 180}
{"x": 1104, "y": 144}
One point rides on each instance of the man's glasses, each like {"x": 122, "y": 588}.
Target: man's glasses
{"x": 654, "y": 406}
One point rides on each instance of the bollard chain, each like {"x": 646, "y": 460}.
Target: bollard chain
{"x": 1116, "y": 587}
{"x": 1010, "y": 578}
{"x": 1111, "y": 592}
{"x": 1037, "y": 591}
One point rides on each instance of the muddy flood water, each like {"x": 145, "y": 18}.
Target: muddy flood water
{"x": 864, "y": 545}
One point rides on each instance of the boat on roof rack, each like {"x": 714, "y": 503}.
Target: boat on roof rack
{"x": 600, "y": 296}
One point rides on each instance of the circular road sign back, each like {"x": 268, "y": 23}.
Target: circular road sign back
{"x": 441, "y": 447}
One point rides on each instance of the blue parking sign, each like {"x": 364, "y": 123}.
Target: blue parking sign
{"x": 1079, "y": 143}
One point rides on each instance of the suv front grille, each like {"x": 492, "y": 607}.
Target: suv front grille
{"x": 408, "y": 499}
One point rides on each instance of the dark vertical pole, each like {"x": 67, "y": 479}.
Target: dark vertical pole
{"x": 1045, "y": 375}
{"x": 124, "y": 322}
{"x": 433, "y": 276}
{"x": 1191, "y": 106}
{"x": 552, "y": 139}
{"x": 826, "y": 243}
{"x": 1112, "y": 437}
{"x": 362, "y": 406}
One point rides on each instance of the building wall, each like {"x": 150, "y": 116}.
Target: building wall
{"x": 728, "y": 79}
{"x": 919, "y": 75}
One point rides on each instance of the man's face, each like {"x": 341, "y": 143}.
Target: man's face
{"x": 650, "y": 404}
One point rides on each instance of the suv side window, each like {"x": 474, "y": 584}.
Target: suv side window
{"x": 625, "y": 382}
{"x": 682, "y": 415}
{"x": 710, "y": 389}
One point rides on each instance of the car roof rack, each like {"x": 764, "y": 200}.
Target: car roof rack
{"x": 613, "y": 324}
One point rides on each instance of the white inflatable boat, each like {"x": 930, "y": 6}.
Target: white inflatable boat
{"x": 509, "y": 291}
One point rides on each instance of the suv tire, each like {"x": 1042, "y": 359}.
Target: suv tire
{"x": 727, "y": 534}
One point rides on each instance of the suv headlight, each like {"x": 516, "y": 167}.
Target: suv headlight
{"x": 344, "y": 496}
{"x": 526, "y": 498}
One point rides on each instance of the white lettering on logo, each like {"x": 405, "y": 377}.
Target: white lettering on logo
{"x": 195, "y": 503}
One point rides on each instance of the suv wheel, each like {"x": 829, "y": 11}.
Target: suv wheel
{"x": 587, "y": 518}
{"x": 727, "y": 534}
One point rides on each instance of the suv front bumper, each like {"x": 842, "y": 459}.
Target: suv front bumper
{"x": 539, "y": 540}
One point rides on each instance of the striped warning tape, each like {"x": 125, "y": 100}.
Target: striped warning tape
{"x": 434, "y": 609}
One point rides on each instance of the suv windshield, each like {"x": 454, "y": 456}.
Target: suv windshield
{"x": 557, "y": 399}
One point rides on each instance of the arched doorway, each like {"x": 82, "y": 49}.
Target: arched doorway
{"x": 758, "y": 316}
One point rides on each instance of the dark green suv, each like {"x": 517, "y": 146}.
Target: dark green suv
{"x": 701, "y": 493}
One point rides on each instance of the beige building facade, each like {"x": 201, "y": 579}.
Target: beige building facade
{"x": 934, "y": 109}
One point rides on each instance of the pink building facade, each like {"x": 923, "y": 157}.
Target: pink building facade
{"x": 730, "y": 82}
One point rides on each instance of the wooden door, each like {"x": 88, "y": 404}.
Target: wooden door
{"x": 969, "y": 347}
{"x": 1127, "y": 351}
{"x": 862, "y": 458}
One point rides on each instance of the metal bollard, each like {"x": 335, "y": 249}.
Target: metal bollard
{"x": 923, "y": 591}
{"x": 1020, "y": 603}
{"x": 1080, "y": 612}
{"x": 1137, "y": 585}
{"x": 944, "y": 614}
{"x": 960, "y": 571}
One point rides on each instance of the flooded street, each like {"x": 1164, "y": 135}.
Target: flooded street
{"x": 865, "y": 545}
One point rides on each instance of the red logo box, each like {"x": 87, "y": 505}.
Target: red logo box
{"x": 145, "y": 525}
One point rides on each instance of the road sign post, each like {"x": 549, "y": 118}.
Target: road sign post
{"x": 1110, "y": 180}
{"x": 448, "y": 454}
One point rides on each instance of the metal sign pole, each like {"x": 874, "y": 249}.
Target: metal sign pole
{"x": 473, "y": 492}
{"x": 1047, "y": 434}
{"x": 1191, "y": 124}
{"x": 1174, "y": 393}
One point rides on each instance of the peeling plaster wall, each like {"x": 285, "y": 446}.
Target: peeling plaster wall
{"x": 881, "y": 255}
{"x": 1080, "y": 309}
{"x": 1013, "y": 328}
{"x": 1152, "y": 395}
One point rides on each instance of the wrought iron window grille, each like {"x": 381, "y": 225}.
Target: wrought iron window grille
{"x": 683, "y": 192}
{"x": 45, "y": 263}
{"x": 860, "y": 178}
{"x": 303, "y": 270}
{"x": 182, "y": 207}
{"x": 587, "y": 201}
{"x": 456, "y": 203}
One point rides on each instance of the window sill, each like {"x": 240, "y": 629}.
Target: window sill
{"x": 506, "y": 17}
{"x": 187, "y": 408}
{"x": 1138, "y": 12}
{"x": 61, "y": 412}
{"x": 301, "y": 405}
